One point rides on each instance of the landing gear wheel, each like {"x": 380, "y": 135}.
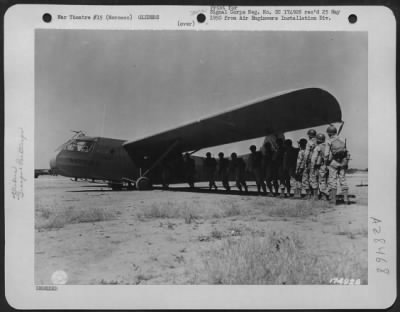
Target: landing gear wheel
{"x": 131, "y": 186}
{"x": 143, "y": 183}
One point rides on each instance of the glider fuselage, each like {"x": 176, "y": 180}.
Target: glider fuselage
{"x": 102, "y": 158}
{"x": 94, "y": 158}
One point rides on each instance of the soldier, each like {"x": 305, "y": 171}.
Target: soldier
{"x": 277, "y": 163}
{"x": 337, "y": 160}
{"x": 267, "y": 164}
{"x": 210, "y": 165}
{"x": 223, "y": 170}
{"x": 301, "y": 172}
{"x": 165, "y": 173}
{"x": 237, "y": 167}
{"x": 189, "y": 169}
{"x": 255, "y": 166}
{"x": 312, "y": 142}
{"x": 288, "y": 165}
{"x": 318, "y": 170}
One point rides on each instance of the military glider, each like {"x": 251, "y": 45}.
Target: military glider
{"x": 142, "y": 163}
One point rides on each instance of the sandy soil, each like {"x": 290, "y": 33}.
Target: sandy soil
{"x": 98, "y": 236}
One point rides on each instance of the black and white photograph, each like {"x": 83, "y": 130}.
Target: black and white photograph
{"x": 243, "y": 147}
{"x": 169, "y": 157}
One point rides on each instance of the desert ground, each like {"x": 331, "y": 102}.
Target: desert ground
{"x": 178, "y": 236}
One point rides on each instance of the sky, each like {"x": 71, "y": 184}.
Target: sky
{"x": 127, "y": 84}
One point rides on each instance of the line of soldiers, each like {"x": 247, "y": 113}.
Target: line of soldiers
{"x": 317, "y": 166}
{"x": 322, "y": 165}
{"x": 224, "y": 168}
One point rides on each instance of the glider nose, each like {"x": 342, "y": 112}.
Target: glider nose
{"x": 53, "y": 163}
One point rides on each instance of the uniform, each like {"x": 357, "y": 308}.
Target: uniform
{"x": 311, "y": 144}
{"x": 268, "y": 170}
{"x": 320, "y": 171}
{"x": 223, "y": 172}
{"x": 237, "y": 167}
{"x": 337, "y": 165}
{"x": 276, "y": 167}
{"x": 255, "y": 166}
{"x": 309, "y": 176}
{"x": 291, "y": 161}
{"x": 302, "y": 171}
{"x": 210, "y": 165}
{"x": 288, "y": 167}
{"x": 278, "y": 162}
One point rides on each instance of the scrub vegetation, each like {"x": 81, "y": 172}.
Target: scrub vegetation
{"x": 50, "y": 218}
{"x": 161, "y": 237}
{"x": 278, "y": 258}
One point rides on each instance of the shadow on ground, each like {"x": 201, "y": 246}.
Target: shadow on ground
{"x": 200, "y": 190}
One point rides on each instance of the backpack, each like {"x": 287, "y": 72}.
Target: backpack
{"x": 338, "y": 148}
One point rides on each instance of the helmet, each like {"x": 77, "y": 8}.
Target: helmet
{"x": 220, "y": 154}
{"x": 208, "y": 154}
{"x": 253, "y": 148}
{"x": 320, "y": 137}
{"x": 303, "y": 142}
{"x": 233, "y": 155}
{"x": 311, "y": 133}
{"x": 331, "y": 130}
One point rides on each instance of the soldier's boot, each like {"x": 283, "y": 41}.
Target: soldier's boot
{"x": 269, "y": 188}
{"x": 264, "y": 188}
{"x": 276, "y": 189}
{"x": 282, "y": 193}
{"x": 332, "y": 196}
{"x": 324, "y": 196}
{"x": 238, "y": 185}
{"x": 297, "y": 193}
{"x": 246, "y": 189}
{"x": 346, "y": 197}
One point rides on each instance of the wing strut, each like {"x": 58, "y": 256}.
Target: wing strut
{"x": 161, "y": 158}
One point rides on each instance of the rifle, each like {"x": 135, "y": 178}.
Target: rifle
{"x": 346, "y": 162}
{"x": 340, "y": 128}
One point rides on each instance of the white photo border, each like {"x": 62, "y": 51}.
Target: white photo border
{"x": 21, "y": 21}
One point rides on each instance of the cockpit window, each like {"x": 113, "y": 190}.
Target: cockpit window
{"x": 79, "y": 146}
